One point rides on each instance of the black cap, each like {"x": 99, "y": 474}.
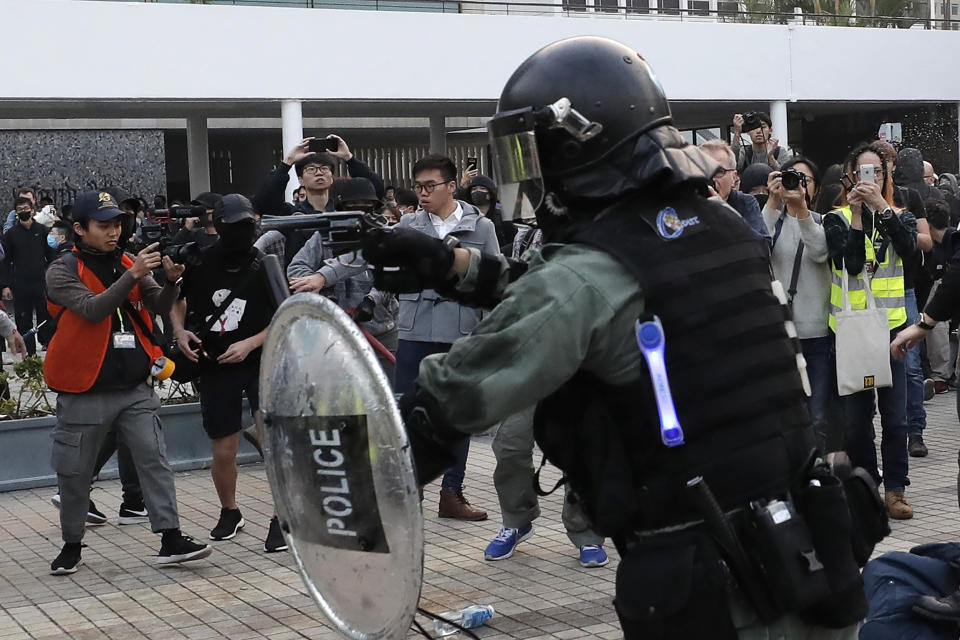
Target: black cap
{"x": 99, "y": 205}
{"x": 754, "y": 176}
{"x": 208, "y": 199}
{"x": 354, "y": 190}
{"x": 232, "y": 208}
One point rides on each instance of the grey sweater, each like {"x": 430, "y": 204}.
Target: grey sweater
{"x": 811, "y": 305}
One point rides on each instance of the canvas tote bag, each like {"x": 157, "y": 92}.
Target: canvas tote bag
{"x": 863, "y": 343}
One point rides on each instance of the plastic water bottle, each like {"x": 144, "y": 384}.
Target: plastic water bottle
{"x": 476, "y": 615}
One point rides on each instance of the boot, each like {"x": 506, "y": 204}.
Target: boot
{"x": 946, "y": 608}
{"x": 897, "y": 507}
{"x": 916, "y": 447}
{"x": 454, "y": 505}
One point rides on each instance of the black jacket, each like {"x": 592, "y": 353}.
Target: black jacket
{"x": 26, "y": 256}
{"x": 269, "y": 200}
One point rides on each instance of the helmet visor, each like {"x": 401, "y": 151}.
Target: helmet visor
{"x": 516, "y": 164}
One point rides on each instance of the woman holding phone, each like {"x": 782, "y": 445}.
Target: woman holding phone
{"x": 869, "y": 234}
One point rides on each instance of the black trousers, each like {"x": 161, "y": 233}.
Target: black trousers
{"x": 27, "y": 301}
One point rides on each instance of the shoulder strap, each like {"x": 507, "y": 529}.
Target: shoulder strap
{"x": 792, "y": 291}
{"x": 778, "y": 229}
{"x": 212, "y": 320}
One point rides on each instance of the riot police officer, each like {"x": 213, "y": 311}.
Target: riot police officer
{"x": 583, "y": 140}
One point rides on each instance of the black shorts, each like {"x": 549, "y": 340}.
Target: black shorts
{"x": 221, "y": 398}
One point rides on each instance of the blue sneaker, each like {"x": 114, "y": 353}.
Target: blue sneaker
{"x": 592, "y": 555}
{"x": 506, "y": 541}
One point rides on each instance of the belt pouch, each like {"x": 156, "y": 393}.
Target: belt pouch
{"x": 674, "y": 587}
{"x": 781, "y": 543}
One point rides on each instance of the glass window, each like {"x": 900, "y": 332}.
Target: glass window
{"x": 638, "y": 6}
{"x": 670, "y": 7}
{"x": 699, "y": 7}
{"x": 607, "y": 6}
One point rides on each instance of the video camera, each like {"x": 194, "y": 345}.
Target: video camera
{"x": 341, "y": 231}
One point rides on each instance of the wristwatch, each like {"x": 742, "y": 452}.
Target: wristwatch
{"x": 176, "y": 282}
{"x": 923, "y": 325}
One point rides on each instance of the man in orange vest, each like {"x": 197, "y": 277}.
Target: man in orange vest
{"x": 99, "y": 362}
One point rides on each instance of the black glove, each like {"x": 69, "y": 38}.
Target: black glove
{"x": 364, "y": 310}
{"x": 423, "y": 262}
{"x": 431, "y": 441}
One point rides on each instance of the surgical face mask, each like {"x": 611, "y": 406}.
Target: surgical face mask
{"x": 480, "y": 198}
{"x": 24, "y": 215}
{"x": 53, "y": 241}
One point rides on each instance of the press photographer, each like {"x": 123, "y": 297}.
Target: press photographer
{"x": 220, "y": 323}
{"x": 99, "y": 361}
{"x": 764, "y": 148}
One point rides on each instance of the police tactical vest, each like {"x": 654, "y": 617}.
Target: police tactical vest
{"x": 886, "y": 282}
{"x": 731, "y": 366}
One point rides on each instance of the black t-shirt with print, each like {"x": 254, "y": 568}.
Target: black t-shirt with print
{"x": 207, "y": 285}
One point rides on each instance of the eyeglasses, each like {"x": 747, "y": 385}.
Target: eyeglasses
{"x": 722, "y": 171}
{"x": 312, "y": 169}
{"x": 427, "y": 187}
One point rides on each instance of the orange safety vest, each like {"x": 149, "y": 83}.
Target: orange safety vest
{"x": 78, "y": 348}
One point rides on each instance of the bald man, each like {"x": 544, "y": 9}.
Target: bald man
{"x": 928, "y": 175}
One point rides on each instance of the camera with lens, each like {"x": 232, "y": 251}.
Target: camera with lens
{"x": 792, "y": 179}
{"x": 751, "y": 121}
{"x": 188, "y": 253}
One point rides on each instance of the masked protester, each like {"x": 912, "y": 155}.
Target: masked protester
{"x": 654, "y": 281}
{"x": 231, "y": 284}
{"x": 98, "y": 362}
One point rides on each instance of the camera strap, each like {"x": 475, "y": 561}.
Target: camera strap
{"x": 223, "y": 306}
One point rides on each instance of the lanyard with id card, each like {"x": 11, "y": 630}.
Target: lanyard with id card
{"x": 123, "y": 339}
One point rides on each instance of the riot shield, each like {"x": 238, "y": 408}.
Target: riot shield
{"x": 339, "y": 468}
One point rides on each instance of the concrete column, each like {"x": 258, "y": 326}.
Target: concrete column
{"x": 291, "y": 127}
{"x": 438, "y": 134}
{"x": 198, "y": 155}
{"x": 778, "y": 114}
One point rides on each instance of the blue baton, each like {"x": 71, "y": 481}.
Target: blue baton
{"x": 651, "y": 341}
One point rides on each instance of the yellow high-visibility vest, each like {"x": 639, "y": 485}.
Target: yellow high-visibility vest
{"x": 886, "y": 283}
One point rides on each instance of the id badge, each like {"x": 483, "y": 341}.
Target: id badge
{"x": 124, "y": 340}
{"x": 870, "y": 266}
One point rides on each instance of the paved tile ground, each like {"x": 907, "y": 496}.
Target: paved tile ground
{"x": 241, "y": 593}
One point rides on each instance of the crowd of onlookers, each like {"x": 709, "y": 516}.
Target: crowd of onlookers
{"x": 881, "y": 214}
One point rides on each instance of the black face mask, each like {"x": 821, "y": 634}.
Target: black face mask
{"x": 761, "y": 199}
{"x": 480, "y": 198}
{"x": 24, "y": 215}
{"x": 237, "y": 238}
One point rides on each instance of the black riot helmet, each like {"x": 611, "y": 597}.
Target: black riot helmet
{"x": 564, "y": 110}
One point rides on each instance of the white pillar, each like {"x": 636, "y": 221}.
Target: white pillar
{"x": 438, "y": 134}
{"x": 291, "y": 127}
{"x": 198, "y": 155}
{"x": 778, "y": 114}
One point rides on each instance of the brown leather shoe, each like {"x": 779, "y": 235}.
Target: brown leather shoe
{"x": 454, "y": 505}
{"x": 897, "y": 507}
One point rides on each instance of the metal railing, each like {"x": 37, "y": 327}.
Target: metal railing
{"x": 848, "y": 13}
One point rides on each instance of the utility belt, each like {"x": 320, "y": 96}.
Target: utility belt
{"x": 797, "y": 553}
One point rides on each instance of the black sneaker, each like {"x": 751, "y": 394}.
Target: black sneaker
{"x": 68, "y": 560}
{"x": 176, "y": 548}
{"x": 94, "y": 516}
{"x": 275, "y": 541}
{"x": 132, "y": 514}
{"x": 230, "y": 522}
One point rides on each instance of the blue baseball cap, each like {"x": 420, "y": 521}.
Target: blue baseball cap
{"x": 98, "y": 205}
